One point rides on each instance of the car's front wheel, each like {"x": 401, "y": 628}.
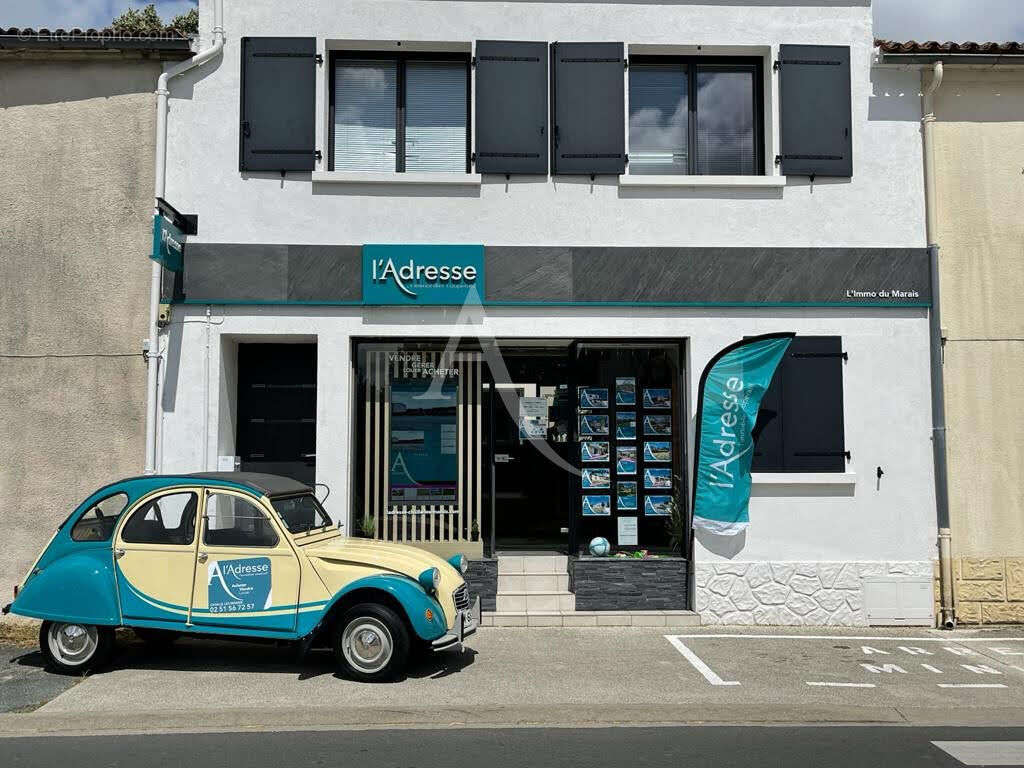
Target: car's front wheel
{"x": 371, "y": 643}
{"x": 74, "y": 649}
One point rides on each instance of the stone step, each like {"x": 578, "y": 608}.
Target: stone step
{"x": 533, "y": 582}
{"x": 668, "y": 619}
{"x": 535, "y": 602}
{"x": 533, "y": 564}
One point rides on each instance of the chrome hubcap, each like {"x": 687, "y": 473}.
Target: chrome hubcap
{"x": 367, "y": 644}
{"x": 72, "y": 644}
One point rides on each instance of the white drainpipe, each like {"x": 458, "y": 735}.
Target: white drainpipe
{"x": 948, "y": 611}
{"x": 162, "y": 94}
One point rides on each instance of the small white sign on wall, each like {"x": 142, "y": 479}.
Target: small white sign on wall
{"x": 627, "y": 532}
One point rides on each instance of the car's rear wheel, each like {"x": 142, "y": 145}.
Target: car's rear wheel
{"x": 74, "y": 649}
{"x": 371, "y": 643}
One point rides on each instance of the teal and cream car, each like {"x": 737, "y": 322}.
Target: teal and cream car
{"x": 237, "y": 554}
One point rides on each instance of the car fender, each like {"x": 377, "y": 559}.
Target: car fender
{"x": 410, "y": 595}
{"x": 78, "y": 587}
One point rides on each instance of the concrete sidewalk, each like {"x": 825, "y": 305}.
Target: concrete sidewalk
{"x": 562, "y": 676}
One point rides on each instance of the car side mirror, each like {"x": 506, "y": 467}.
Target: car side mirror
{"x": 327, "y": 492}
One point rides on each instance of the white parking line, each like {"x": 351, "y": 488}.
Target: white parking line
{"x": 844, "y": 685}
{"x": 940, "y": 639}
{"x": 697, "y": 664}
{"x": 970, "y": 685}
{"x": 984, "y": 752}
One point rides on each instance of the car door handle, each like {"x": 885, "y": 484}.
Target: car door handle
{"x": 118, "y": 554}
{"x": 203, "y": 557}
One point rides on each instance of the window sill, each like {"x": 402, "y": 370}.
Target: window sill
{"x": 369, "y": 177}
{"x": 643, "y": 180}
{"x": 804, "y": 478}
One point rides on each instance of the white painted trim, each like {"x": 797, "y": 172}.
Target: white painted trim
{"x": 370, "y": 177}
{"x": 804, "y": 478}
{"x": 643, "y": 180}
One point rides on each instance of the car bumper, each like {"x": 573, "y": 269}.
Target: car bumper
{"x": 466, "y": 623}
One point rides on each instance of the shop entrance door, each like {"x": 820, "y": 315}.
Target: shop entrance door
{"x": 528, "y": 435}
{"x": 277, "y": 410}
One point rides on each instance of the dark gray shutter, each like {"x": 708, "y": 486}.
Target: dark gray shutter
{"x": 278, "y": 102}
{"x": 815, "y": 110}
{"x": 511, "y": 107}
{"x": 589, "y": 103}
{"x": 812, "y": 401}
{"x": 800, "y": 425}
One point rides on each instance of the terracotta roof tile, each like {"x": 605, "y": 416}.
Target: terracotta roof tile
{"x": 934, "y": 47}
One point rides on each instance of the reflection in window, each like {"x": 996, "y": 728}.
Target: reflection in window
{"x": 301, "y": 513}
{"x": 725, "y": 123}
{"x": 233, "y": 521}
{"x": 658, "y": 118}
{"x": 365, "y": 94}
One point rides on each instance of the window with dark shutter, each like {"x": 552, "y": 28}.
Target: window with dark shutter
{"x": 800, "y": 424}
{"x": 399, "y": 113}
{"x": 511, "y": 107}
{"x": 815, "y": 104}
{"x": 589, "y": 103}
{"x": 278, "y": 104}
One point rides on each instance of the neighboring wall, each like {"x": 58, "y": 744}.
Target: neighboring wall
{"x": 979, "y": 145}
{"x": 76, "y": 149}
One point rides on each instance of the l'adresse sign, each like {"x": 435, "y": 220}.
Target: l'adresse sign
{"x": 423, "y": 274}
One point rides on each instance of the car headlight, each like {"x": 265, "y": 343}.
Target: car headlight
{"x": 430, "y": 579}
{"x": 459, "y": 563}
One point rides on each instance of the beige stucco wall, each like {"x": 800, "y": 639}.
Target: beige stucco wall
{"x": 76, "y": 149}
{"x": 979, "y": 144}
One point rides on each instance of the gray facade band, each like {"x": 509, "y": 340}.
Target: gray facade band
{"x": 220, "y": 273}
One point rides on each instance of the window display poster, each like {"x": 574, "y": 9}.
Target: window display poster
{"x": 657, "y": 479}
{"x": 625, "y": 492}
{"x": 658, "y": 425}
{"x": 594, "y": 451}
{"x": 625, "y": 462}
{"x": 627, "y": 532}
{"x": 593, "y": 397}
{"x": 625, "y": 391}
{"x": 657, "y": 506}
{"x": 423, "y": 466}
{"x": 625, "y": 425}
{"x": 657, "y": 451}
{"x": 656, "y": 397}
{"x": 598, "y": 477}
{"x": 597, "y": 506}
{"x": 593, "y": 424}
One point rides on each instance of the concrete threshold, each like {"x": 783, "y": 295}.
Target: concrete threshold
{"x": 673, "y": 619}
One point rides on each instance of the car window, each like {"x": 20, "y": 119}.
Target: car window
{"x": 234, "y": 521}
{"x": 98, "y": 523}
{"x": 301, "y": 513}
{"x": 169, "y": 519}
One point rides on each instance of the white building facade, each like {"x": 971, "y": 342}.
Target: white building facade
{"x": 631, "y": 190}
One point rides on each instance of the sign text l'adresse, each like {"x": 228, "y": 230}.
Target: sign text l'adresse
{"x": 168, "y": 243}
{"x": 423, "y": 274}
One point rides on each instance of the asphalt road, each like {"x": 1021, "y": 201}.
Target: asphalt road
{"x": 821, "y": 747}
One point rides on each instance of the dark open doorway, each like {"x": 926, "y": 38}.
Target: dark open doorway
{"x": 528, "y": 444}
{"x": 277, "y": 409}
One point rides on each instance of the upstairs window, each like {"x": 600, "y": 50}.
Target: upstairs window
{"x": 400, "y": 113}
{"x": 695, "y": 116}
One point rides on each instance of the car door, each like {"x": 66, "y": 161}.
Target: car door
{"x": 154, "y": 558}
{"x": 247, "y": 574}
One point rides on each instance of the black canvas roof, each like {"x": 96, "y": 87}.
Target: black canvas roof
{"x": 269, "y": 485}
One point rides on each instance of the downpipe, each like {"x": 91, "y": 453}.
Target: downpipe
{"x": 947, "y": 619}
{"x": 159, "y": 187}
